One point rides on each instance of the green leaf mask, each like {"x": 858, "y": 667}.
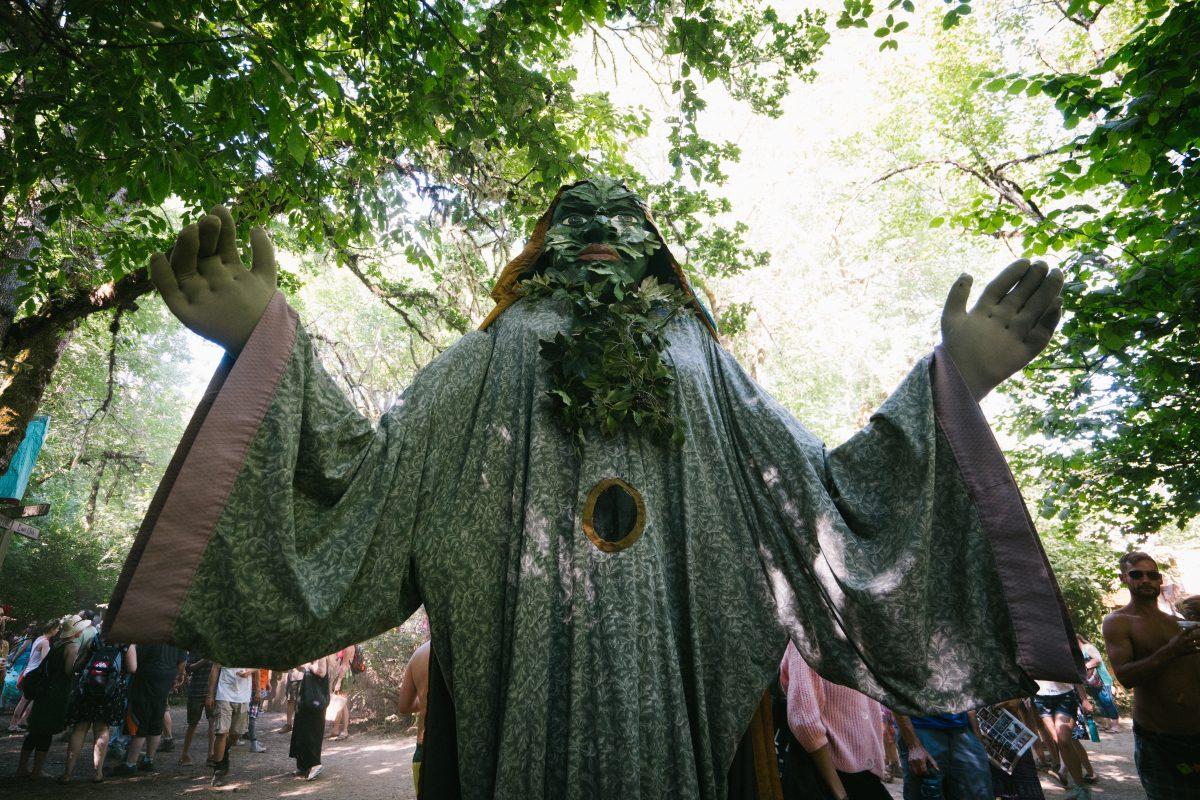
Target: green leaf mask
{"x": 608, "y": 373}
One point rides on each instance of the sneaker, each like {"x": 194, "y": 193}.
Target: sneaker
{"x": 123, "y": 769}
{"x": 257, "y": 747}
{"x": 166, "y": 745}
{"x": 146, "y": 765}
{"x": 218, "y": 778}
{"x": 1078, "y": 792}
{"x": 313, "y": 773}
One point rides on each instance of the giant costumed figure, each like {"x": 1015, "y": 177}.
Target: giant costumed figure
{"x": 607, "y": 607}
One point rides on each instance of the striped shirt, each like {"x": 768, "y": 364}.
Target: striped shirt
{"x": 822, "y": 713}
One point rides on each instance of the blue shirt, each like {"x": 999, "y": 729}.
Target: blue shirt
{"x": 941, "y": 722}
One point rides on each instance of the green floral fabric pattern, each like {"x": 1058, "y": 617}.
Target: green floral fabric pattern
{"x": 578, "y": 673}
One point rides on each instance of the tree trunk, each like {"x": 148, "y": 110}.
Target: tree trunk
{"x": 34, "y": 344}
{"x": 26, "y": 366}
{"x": 89, "y": 512}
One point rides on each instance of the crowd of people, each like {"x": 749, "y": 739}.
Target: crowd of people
{"x": 837, "y": 744}
{"x": 833, "y": 743}
{"x": 62, "y": 677}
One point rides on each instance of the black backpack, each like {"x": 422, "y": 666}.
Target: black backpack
{"x": 37, "y": 680}
{"x": 101, "y": 675}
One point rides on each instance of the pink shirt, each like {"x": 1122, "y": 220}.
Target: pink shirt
{"x": 822, "y": 713}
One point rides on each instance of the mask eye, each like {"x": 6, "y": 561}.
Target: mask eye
{"x": 574, "y": 220}
{"x": 626, "y": 221}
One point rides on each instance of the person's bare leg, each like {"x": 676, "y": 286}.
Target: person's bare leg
{"x": 1063, "y": 727}
{"x": 184, "y": 758}
{"x": 23, "y": 763}
{"x": 1082, "y": 754}
{"x": 73, "y": 749}
{"x": 100, "y": 749}
{"x": 134, "y": 750}
{"x": 212, "y": 740}
{"x": 219, "y": 744}
{"x": 343, "y": 719}
{"x": 152, "y": 743}
{"x": 1045, "y": 732}
{"x": 167, "y": 734}
{"x": 18, "y": 716}
{"x": 39, "y": 761}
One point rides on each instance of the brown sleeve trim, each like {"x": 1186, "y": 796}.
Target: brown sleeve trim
{"x": 1046, "y": 646}
{"x": 191, "y": 496}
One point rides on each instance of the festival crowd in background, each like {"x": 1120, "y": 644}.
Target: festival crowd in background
{"x": 62, "y": 677}
{"x": 833, "y": 742}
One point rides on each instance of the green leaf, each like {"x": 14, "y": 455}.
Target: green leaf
{"x": 297, "y": 145}
{"x": 1139, "y": 163}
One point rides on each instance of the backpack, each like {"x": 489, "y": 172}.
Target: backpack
{"x": 101, "y": 675}
{"x": 358, "y": 664}
{"x": 35, "y": 682}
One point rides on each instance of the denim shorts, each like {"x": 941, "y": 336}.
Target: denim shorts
{"x": 1057, "y": 705}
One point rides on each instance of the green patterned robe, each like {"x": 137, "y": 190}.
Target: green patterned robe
{"x": 901, "y": 563}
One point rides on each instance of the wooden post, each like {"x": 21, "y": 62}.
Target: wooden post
{"x": 10, "y": 513}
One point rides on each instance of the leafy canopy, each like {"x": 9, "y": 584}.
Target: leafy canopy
{"x": 356, "y": 123}
{"x": 1113, "y": 402}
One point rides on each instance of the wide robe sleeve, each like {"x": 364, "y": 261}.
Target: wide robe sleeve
{"x": 282, "y": 529}
{"x": 903, "y": 563}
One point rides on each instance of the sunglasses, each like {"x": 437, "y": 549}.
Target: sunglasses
{"x": 1138, "y": 574}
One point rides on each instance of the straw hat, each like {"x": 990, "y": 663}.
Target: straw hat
{"x": 74, "y": 625}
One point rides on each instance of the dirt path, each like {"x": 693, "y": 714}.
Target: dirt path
{"x": 367, "y": 766}
{"x": 376, "y": 766}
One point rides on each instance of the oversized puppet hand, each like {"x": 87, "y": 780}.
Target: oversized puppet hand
{"x": 1012, "y": 322}
{"x": 205, "y": 284}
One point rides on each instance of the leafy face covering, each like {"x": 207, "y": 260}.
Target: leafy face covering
{"x": 599, "y": 231}
{"x": 608, "y": 373}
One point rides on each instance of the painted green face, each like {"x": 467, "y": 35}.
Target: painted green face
{"x": 599, "y": 227}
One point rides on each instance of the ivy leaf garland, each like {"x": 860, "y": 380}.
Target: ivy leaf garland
{"x": 609, "y": 372}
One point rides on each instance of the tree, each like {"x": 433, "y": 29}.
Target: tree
{"x": 359, "y": 125}
{"x": 1113, "y": 192}
{"x": 117, "y": 403}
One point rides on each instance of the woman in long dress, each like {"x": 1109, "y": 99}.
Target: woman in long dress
{"x": 308, "y": 726}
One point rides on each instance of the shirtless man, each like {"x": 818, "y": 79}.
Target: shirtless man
{"x": 414, "y": 693}
{"x": 1160, "y": 662}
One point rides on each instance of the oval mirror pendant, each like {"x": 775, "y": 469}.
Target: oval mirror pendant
{"x": 613, "y": 515}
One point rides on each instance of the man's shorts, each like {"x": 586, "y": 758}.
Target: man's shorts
{"x": 1057, "y": 705}
{"x": 292, "y": 691}
{"x": 196, "y": 710}
{"x": 232, "y": 717}
{"x": 145, "y": 710}
{"x": 1168, "y": 764}
{"x": 418, "y": 757}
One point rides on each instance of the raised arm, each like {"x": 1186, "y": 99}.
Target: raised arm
{"x": 1133, "y": 672}
{"x": 1010, "y": 324}
{"x": 207, "y": 287}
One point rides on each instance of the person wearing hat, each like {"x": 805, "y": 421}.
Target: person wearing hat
{"x": 49, "y": 714}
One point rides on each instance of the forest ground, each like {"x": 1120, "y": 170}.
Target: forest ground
{"x": 376, "y": 765}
